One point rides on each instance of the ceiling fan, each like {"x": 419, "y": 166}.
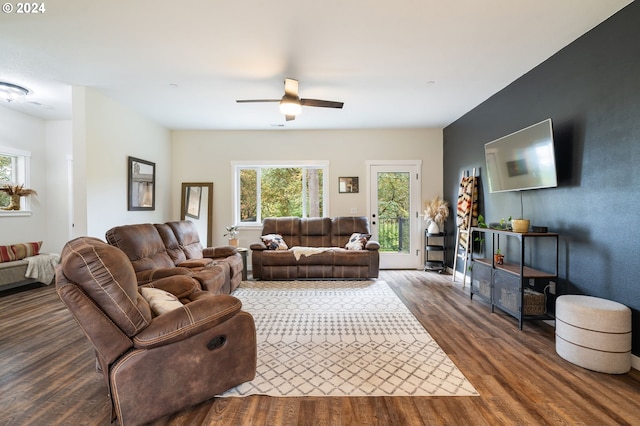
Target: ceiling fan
{"x": 291, "y": 104}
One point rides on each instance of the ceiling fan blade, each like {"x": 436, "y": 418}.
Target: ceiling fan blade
{"x": 290, "y": 117}
{"x": 242, "y": 101}
{"x": 291, "y": 87}
{"x": 321, "y": 103}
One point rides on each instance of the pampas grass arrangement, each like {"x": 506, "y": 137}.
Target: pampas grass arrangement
{"x": 436, "y": 210}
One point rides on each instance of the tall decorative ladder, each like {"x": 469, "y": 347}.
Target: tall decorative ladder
{"x": 466, "y": 217}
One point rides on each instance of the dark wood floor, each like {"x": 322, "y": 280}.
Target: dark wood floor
{"x": 47, "y": 373}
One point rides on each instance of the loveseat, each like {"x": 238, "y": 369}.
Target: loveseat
{"x": 294, "y": 248}
{"x": 174, "y": 248}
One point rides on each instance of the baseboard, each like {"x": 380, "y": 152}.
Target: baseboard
{"x": 635, "y": 362}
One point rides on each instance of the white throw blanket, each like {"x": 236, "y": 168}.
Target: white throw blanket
{"x": 42, "y": 267}
{"x": 307, "y": 251}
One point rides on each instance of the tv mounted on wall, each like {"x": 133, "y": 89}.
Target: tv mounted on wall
{"x": 522, "y": 160}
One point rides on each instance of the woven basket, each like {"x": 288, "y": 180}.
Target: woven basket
{"x": 534, "y": 303}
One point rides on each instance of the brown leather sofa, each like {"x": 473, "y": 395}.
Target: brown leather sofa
{"x": 153, "y": 364}
{"x": 332, "y": 261}
{"x": 171, "y": 248}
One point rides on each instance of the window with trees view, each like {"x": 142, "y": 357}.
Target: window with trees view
{"x": 14, "y": 166}
{"x": 278, "y": 191}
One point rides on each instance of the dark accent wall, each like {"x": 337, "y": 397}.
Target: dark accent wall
{"x": 591, "y": 91}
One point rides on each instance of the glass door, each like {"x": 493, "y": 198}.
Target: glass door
{"x": 394, "y": 189}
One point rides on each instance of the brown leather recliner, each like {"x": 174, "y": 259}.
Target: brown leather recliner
{"x": 154, "y": 365}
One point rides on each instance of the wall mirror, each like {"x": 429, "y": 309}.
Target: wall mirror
{"x": 197, "y": 206}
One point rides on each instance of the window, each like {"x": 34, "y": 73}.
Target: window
{"x": 264, "y": 190}
{"x": 14, "y": 170}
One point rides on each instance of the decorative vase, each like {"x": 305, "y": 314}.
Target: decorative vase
{"x": 14, "y": 204}
{"x": 233, "y": 242}
{"x": 498, "y": 259}
{"x": 433, "y": 228}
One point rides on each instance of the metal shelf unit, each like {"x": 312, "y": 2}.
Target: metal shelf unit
{"x": 504, "y": 285}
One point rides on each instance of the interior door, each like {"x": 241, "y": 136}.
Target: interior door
{"x": 393, "y": 212}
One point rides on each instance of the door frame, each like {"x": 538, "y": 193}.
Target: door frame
{"x": 416, "y": 201}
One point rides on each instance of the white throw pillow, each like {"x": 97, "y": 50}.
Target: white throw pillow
{"x": 160, "y": 301}
{"x": 357, "y": 241}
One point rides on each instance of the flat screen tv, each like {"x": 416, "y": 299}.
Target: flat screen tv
{"x": 522, "y": 160}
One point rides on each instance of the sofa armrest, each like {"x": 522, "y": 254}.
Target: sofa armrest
{"x": 181, "y": 286}
{"x": 191, "y": 319}
{"x": 218, "y": 252}
{"x": 372, "y": 245}
{"x": 145, "y": 277}
{"x": 258, "y": 246}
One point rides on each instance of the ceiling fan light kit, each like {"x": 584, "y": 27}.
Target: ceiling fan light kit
{"x": 291, "y": 104}
{"x": 12, "y": 92}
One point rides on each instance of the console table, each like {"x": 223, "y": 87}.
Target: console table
{"x": 508, "y": 285}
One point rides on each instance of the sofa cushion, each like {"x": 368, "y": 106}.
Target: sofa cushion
{"x": 174, "y": 250}
{"x": 187, "y": 235}
{"x": 342, "y": 227}
{"x": 357, "y": 241}
{"x": 26, "y": 250}
{"x": 142, "y": 244}
{"x": 105, "y": 274}
{"x": 274, "y": 242}
{"x": 315, "y": 232}
{"x": 288, "y": 227}
{"x": 7, "y": 254}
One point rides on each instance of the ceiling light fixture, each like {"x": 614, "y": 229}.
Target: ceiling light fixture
{"x": 290, "y": 105}
{"x": 12, "y": 92}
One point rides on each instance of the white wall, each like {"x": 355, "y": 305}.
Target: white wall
{"x": 58, "y": 159}
{"x": 20, "y": 131}
{"x": 105, "y": 135}
{"x": 206, "y": 156}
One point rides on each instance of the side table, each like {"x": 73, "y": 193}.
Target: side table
{"x": 243, "y": 252}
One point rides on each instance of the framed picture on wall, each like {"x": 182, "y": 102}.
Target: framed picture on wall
{"x": 194, "y": 198}
{"x": 141, "y": 192}
{"x": 348, "y": 185}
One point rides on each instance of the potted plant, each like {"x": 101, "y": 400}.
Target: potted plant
{"x": 520, "y": 225}
{"x": 498, "y": 257}
{"x": 232, "y": 233}
{"x": 15, "y": 192}
{"x": 436, "y": 213}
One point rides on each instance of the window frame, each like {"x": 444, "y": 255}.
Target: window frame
{"x": 237, "y": 166}
{"x": 22, "y": 175}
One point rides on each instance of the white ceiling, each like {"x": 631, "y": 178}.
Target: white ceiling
{"x": 406, "y": 63}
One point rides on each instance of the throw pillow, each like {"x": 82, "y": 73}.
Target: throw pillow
{"x": 160, "y": 301}
{"x": 26, "y": 249}
{"x": 7, "y": 254}
{"x": 357, "y": 241}
{"x": 274, "y": 242}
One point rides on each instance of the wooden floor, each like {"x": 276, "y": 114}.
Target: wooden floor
{"x": 47, "y": 374}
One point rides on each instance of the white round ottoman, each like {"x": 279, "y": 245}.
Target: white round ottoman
{"x": 594, "y": 333}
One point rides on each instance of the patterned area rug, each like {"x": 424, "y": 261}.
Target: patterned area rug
{"x": 342, "y": 338}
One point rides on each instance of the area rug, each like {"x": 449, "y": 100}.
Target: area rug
{"x": 342, "y": 338}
